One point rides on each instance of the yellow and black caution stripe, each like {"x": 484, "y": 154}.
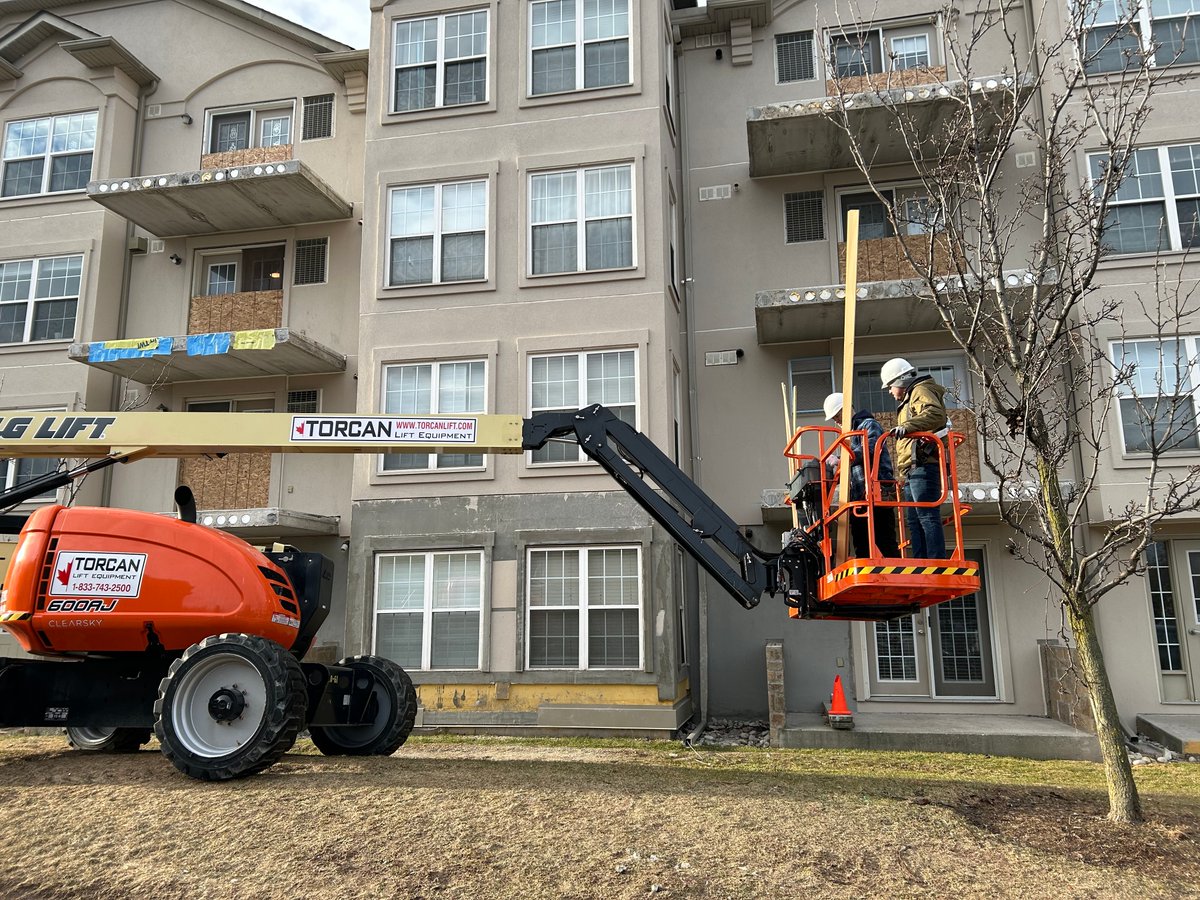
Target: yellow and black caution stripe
{"x": 905, "y": 570}
{"x": 15, "y": 617}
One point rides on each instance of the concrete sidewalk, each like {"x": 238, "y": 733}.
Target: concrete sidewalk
{"x": 994, "y": 735}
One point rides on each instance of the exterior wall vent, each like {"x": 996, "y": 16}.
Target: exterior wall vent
{"x": 703, "y": 40}
{"x": 716, "y": 192}
{"x": 158, "y": 246}
{"x": 154, "y": 110}
{"x": 1027, "y": 160}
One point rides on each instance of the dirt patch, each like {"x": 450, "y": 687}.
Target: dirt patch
{"x": 497, "y": 819}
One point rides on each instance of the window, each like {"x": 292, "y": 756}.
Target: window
{"x": 318, "y": 117}
{"x": 304, "y": 402}
{"x": 804, "y": 216}
{"x": 226, "y": 405}
{"x": 906, "y": 208}
{"x": 1162, "y": 604}
{"x": 242, "y": 270}
{"x": 566, "y": 57}
{"x": 810, "y": 381}
{"x": 585, "y": 608}
{"x": 605, "y": 240}
{"x": 1156, "y": 394}
{"x": 896, "y": 649}
{"x": 438, "y": 233}
{"x": 258, "y": 126}
{"x": 428, "y": 609}
{"x": 16, "y": 472}
{"x": 48, "y": 156}
{"x": 222, "y": 279}
{"x": 440, "y": 61}
{"x": 442, "y": 388}
{"x": 38, "y": 298}
{"x": 1157, "y": 205}
{"x": 569, "y": 381}
{"x": 794, "y": 57}
{"x": 951, "y": 374}
{"x": 1122, "y": 35}
{"x": 876, "y": 50}
{"x": 311, "y": 255}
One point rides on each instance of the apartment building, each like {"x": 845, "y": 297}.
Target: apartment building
{"x": 179, "y": 231}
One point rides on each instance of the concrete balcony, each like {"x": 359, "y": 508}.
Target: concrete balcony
{"x": 803, "y": 136}
{"x": 226, "y": 196}
{"x": 257, "y": 353}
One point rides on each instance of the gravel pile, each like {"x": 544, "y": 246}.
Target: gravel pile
{"x": 1143, "y": 751}
{"x": 734, "y": 733}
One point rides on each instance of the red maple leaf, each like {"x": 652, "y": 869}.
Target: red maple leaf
{"x": 64, "y": 575}
{"x": 300, "y": 429}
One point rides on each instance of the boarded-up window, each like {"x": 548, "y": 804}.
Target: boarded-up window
{"x": 794, "y": 56}
{"x": 318, "y": 117}
{"x": 311, "y": 255}
{"x": 804, "y": 216}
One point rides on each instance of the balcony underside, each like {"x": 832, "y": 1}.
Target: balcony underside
{"x": 269, "y": 523}
{"x": 209, "y": 357}
{"x": 801, "y": 137}
{"x": 211, "y": 201}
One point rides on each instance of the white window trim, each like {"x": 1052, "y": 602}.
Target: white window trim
{"x": 49, "y": 155}
{"x": 884, "y": 33}
{"x": 300, "y": 138}
{"x": 579, "y": 44}
{"x": 1191, "y": 350}
{"x": 1169, "y": 197}
{"x": 436, "y": 365}
{"x": 583, "y": 607}
{"x": 440, "y": 61}
{"x": 873, "y": 651}
{"x": 427, "y": 609}
{"x": 816, "y": 65}
{"x": 910, "y": 189}
{"x": 581, "y": 220}
{"x": 33, "y": 300}
{"x": 1145, "y": 31}
{"x": 580, "y": 458}
{"x": 438, "y": 232}
{"x": 255, "y": 110}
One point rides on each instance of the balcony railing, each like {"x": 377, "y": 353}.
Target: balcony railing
{"x": 886, "y": 259}
{"x": 250, "y": 156}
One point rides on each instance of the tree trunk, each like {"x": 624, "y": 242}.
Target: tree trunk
{"x": 1124, "y": 805}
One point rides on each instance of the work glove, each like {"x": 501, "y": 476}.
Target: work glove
{"x": 897, "y": 432}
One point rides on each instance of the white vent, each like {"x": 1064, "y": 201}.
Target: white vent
{"x": 722, "y": 358}
{"x": 154, "y": 110}
{"x": 1027, "y": 160}
{"x": 719, "y": 39}
{"x": 703, "y": 40}
{"x": 157, "y": 246}
{"x": 716, "y": 192}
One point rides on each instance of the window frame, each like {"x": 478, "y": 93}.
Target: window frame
{"x": 800, "y": 197}
{"x": 257, "y": 112}
{"x": 581, "y": 219}
{"x": 439, "y": 62}
{"x": 427, "y": 608}
{"x": 434, "y": 384}
{"x": 883, "y": 36}
{"x": 1169, "y": 196}
{"x": 1140, "y": 25}
{"x": 1191, "y": 357}
{"x": 49, "y": 155}
{"x": 579, "y": 44}
{"x": 583, "y": 608}
{"x": 438, "y": 234}
{"x": 924, "y": 363}
{"x": 32, "y": 301}
{"x": 900, "y": 191}
{"x": 581, "y": 391}
{"x": 813, "y": 47}
{"x": 304, "y": 116}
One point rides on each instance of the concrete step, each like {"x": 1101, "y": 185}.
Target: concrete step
{"x": 1031, "y": 737}
{"x": 1178, "y": 732}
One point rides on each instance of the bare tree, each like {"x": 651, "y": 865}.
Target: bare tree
{"x": 1011, "y": 259}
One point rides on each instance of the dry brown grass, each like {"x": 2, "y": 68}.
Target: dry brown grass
{"x": 511, "y": 819}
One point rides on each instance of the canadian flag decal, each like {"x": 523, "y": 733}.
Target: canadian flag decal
{"x": 64, "y": 574}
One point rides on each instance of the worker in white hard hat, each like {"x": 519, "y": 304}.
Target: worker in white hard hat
{"x": 883, "y": 516}
{"x": 921, "y": 408}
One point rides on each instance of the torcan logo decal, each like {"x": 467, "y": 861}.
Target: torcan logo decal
{"x": 383, "y": 430}
{"x": 102, "y": 576}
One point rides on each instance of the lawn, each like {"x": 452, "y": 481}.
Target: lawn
{"x": 504, "y": 818}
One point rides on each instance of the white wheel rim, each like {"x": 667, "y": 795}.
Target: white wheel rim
{"x": 195, "y": 728}
{"x": 92, "y": 735}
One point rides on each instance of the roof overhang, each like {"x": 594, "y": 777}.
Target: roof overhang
{"x": 210, "y": 357}
{"x": 212, "y": 201}
{"x": 804, "y": 136}
{"x": 268, "y": 524}
{"x": 716, "y": 16}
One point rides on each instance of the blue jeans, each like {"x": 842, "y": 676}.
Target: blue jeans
{"x": 927, "y": 540}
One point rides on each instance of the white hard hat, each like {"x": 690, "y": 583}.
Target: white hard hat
{"x": 895, "y": 368}
{"x": 833, "y": 405}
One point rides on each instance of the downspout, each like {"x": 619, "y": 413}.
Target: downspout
{"x": 693, "y": 405}
{"x": 139, "y": 132}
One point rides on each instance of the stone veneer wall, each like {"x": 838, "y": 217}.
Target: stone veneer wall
{"x": 1066, "y": 696}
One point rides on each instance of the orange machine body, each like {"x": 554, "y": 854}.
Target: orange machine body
{"x": 91, "y": 580}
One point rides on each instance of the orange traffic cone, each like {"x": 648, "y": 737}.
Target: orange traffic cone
{"x": 839, "y": 714}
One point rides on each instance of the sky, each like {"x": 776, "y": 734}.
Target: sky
{"x": 348, "y": 21}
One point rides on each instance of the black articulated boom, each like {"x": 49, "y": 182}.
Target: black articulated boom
{"x": 678, "y": 504}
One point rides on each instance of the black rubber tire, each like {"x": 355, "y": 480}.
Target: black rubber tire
{"x": 275, "y": 699}
{"x": 108, "y": 740}
{"x": 396, "y": 699}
